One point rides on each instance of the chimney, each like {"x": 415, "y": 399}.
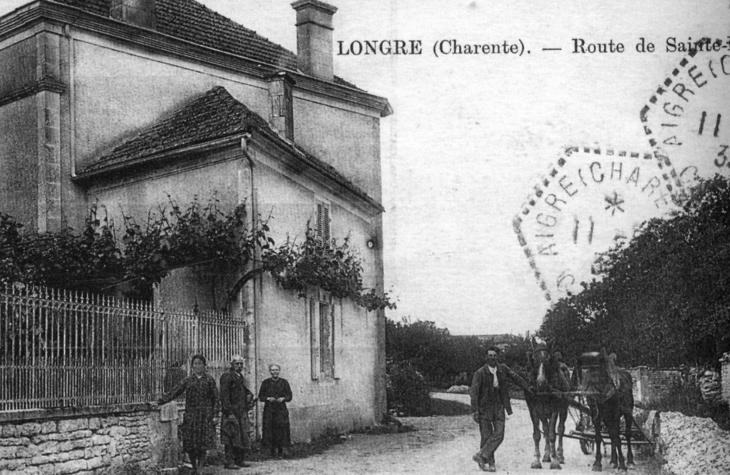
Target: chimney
{"x": 281, "y": 112}
{"x": 314, "y": 38}
{"x": 135, "y": 12}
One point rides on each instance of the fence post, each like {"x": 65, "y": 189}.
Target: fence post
{"x": 196, "y": 320}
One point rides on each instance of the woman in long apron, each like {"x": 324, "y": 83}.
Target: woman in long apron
{"x": 201, "y": 408}
{"x": 276, "y": 392}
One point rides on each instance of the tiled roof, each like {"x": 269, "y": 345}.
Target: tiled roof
{"x": 214, "y": 115}
{"x": 194, "y": 22}
{"x": 100, "y": 7}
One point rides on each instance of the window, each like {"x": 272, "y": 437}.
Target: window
{"x": 323, "y": 220}
{"x": 325, "y": 324}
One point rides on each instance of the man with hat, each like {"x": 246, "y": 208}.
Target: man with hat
{"x": 489, "y": 401}
{"x": 236, "y": 401}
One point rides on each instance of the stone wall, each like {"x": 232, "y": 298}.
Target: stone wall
{"x": 652, "y": 384}
{"x": 725, "y": 377}
{"x": 86, "y": 444}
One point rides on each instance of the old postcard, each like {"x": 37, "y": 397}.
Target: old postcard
{"x": 276, "y": 182}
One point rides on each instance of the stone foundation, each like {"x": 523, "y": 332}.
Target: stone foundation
{"x": 87, "y": 443}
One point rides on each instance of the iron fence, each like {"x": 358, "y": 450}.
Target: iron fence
{"x": 61, "y": 348}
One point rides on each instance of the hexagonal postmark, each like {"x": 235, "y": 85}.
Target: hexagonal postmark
{"x": 687, "y": 118}
{"x": 590, "y": 199}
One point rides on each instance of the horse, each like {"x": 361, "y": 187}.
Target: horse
{"x": 563, "y": 414}
{"x": 609, "y": 393}
{"x": 547, "y": 405}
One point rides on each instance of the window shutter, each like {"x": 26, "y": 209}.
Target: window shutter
{"x": 314, "y": 332}
{"x": 326, "y": 223}
{"x": 320, "y": 228}
{"x": 323, "y": 221}
{"x": 326, "y": 339}
{"x": 337, "y": 336}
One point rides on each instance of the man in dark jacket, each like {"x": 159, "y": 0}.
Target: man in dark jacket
{"x": 236, "y": 400}
{"x": 489, "y": 401}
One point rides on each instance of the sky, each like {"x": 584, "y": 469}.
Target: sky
{"x": 472, "y": 134}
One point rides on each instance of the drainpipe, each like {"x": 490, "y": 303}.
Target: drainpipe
{"x": 71, "y": 98}
{"x": 256, "y": 281}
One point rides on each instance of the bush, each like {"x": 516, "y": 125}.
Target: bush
{"x": 407, "y": 391}
{"x": 686, "y": 397}
{"x": 445, "y": 407}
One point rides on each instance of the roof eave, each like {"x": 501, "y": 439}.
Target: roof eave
{"x": 86, "y": 178}
{"x": 297, "y": 160}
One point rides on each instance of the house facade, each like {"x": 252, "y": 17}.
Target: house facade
{"x": 130, "y": 103}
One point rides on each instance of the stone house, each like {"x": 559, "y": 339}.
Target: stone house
{"x": 124, "y": 102}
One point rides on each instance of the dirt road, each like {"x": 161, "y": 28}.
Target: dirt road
{"x": 440, "y": 446}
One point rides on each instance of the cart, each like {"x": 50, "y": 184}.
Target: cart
{"x": 585, "y": 431}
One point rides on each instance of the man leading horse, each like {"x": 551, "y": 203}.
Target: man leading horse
{"x": 489, "y": 402}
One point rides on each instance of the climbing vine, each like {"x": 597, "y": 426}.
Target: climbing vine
{"x": 333, "y": 267}
{"x": 63, "y": 259}
{"x": 174, "y": 237}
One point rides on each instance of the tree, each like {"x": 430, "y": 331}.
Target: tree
{"x": 421, "y": 343}
{"x": 663, "y": 298}
{"x": 442, "y": 358}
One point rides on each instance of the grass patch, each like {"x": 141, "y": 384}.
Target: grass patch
{"x": 445, "y": 407}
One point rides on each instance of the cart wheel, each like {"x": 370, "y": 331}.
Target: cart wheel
{"x": 587, "y": 446}
{"x": 585, "y": 423}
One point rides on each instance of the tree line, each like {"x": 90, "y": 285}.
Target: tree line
{"x": 421, "y": 356}
{"x": 444, "y": 359}
{"x": 662, "y": 298}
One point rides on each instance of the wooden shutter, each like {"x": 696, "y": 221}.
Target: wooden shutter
{"x": 326, "y": 341}
{"x": 337, "y": 333}
{"x": 326, "y": 223}
{"x": 323, "y": 221}
{"x": 318, "y": 219}
{"x": 314, "y": 332}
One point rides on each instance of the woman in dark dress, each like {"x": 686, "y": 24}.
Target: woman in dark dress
{"x": 275, "y": 392}
{"x": 201, "y": 408}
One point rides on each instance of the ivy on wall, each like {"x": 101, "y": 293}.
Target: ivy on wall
{"x": 331, "y": 266}
{"x": 175, "y": 237}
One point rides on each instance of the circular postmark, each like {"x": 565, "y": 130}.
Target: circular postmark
{"x": 590, "y": 199}
{"x": 687, "y": 118}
